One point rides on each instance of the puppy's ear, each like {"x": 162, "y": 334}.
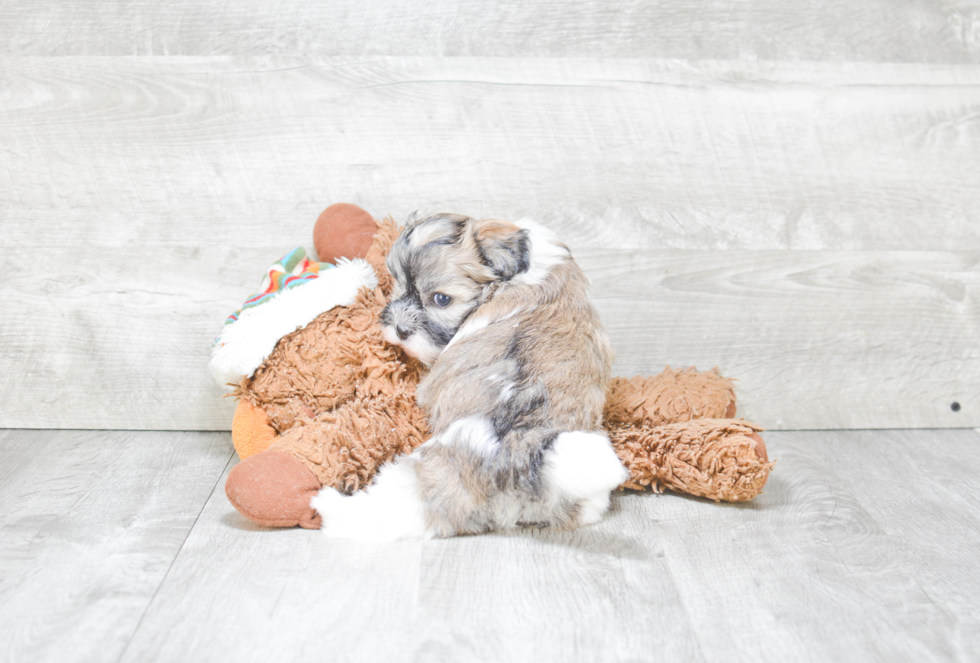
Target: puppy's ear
{"x": 503, "y": 247}
{"x": 412, "y": 220}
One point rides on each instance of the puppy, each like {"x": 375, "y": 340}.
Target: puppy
{"x": 518, "y": 369}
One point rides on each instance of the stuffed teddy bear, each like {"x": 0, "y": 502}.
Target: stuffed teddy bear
{"x": 323, "y": 400}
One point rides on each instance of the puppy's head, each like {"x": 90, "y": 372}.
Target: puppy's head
{"x": 444, "y": 267}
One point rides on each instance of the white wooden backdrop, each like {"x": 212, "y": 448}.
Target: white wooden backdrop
{"x": 789, "y": 191}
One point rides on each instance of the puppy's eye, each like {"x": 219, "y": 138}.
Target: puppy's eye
{"x": 441, "y": 300}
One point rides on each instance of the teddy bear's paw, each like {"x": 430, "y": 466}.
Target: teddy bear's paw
{"x": 274, "y": 489}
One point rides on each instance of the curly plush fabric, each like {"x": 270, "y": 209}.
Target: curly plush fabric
{"x": 341, "y": 399}
{"x": 721, "y": 459}
{"x": 345, "y": 447}
{"x": 335, "y": 359}
{"x": 670, "y": 397}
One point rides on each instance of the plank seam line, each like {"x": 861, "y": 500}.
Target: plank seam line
{"x": 166, "y": 575}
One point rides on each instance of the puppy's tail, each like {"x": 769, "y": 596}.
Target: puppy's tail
{"x": 391, "y": 508}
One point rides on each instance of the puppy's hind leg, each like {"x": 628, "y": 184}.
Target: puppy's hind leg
{"x": 582, "y": 468}
{"x": 391, "y": 508}
{"x": 443, "y": 488}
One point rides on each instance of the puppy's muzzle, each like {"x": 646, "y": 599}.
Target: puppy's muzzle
{"x": 397, "y": 318}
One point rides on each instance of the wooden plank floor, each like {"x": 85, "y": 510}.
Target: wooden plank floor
{"x": 90, "y": 523}
{"x": 122, "y": 547}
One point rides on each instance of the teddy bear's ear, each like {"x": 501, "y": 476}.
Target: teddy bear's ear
{"x": 503, "y": 247}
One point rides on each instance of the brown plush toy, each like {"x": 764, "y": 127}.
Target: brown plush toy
{"x": 324, "y": 400}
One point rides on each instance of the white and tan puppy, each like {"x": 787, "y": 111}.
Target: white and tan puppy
{"x": 518, "y": 369}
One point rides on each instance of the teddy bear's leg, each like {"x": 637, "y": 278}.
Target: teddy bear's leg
{"x": 274, "y": 488}
{"x": 669, "y": 397}
{"x": 341, "y": 449}
{"x": 721, "y": 459}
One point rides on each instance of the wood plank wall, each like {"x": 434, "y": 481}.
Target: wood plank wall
{"x": 787, "y": 190}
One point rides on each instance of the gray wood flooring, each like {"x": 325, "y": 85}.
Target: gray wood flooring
{"x": 122, "y": 546}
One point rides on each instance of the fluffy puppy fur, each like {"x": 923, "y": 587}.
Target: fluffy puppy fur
{"x": 519, "y": 364}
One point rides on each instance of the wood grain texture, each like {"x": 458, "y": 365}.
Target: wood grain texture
{"x": 861, "y": 548}
{"x": 120, "y": 338}
{"x": 91, "y": 522}
{"x": 843, "y": 557}
{"x": 271, "y": 594}
{"x": 154, "y": 191}
{"x": 622, "y": 154}
{"x": 875, "y": 30}
{"x": 936, "y": 534}
{"x": 816, "y": 339}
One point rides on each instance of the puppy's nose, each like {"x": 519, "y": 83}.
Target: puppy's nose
{"x": 403, "y": 332}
